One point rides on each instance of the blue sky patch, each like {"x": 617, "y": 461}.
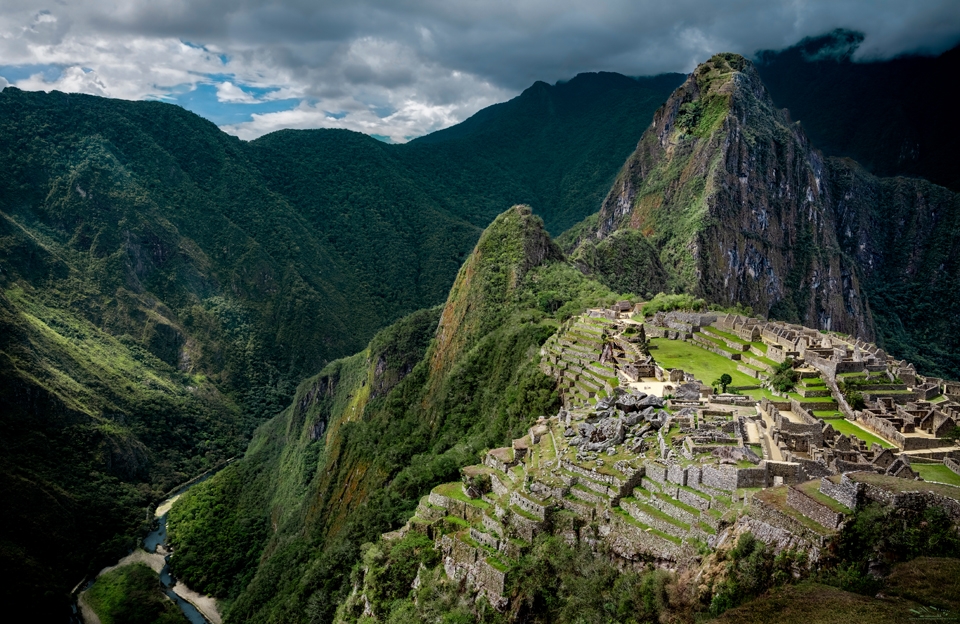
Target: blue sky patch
{"x": 203, "y": 101}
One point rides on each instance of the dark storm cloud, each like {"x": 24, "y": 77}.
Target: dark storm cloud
{"x": 433, "y": 61}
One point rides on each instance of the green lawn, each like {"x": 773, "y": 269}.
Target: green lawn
{"x": 851, "y": 429}
{"x": 937, "y": 472}
{"x": 704, "y": 365}
{"x": 728, "y": 336}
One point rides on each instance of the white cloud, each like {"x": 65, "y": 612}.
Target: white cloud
{"x": 71, "y": 80}
{"x": 229, "y": 92}
{"x": 3, "y": 83}
{"x": 400, "y": 69}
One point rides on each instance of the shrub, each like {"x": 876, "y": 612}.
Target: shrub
{"x": 668, "y": 303}
{"x": 784, "y": 378}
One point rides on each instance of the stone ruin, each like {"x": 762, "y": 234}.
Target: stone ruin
{"x": 645, "y": 477}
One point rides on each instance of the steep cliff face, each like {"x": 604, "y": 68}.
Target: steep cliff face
{"x": 741, "y": 208}
{"x": 902, "y": 234}
{"x": 735, "y": 200}
{"x": 370, "y": 434}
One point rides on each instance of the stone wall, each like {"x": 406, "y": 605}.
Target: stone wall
{"x": 721, "y": 478}
{"x": 752, "y": 477}
{"x": 814, "y": 510}
{"x": 771, "y": 515}
{"x": 913, "y": 500}
{"x": 633, "y": 543}
{"x": 532, "y": 507}
{"x": 677, "y": 474}
{"x": 689, "y": 498}
{"x": 777, "y": 537}
{"x": 951, "y": 464}
{"x": 848, "y": 493}
{"x": 790, "y": 472}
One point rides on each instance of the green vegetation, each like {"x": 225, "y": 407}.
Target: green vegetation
{"x": 475, "y": 386}
{"x": 784, "y": 377}
{"x": 702, "y": 364}
{"x": 668, "y": 303}
{"x": 552, "y": 582}
{"x": 752, "y": 569}
{"x": 625, "y": 262}
{"x": 849, "y": 428}
{"x": 936, "y": 472}
{"x": 131, "y": 594}
{"x": 165, "y": 286}
{"x": 722, "y": 382}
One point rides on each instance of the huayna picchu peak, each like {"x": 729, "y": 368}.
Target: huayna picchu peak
{"x": 742, "y": 209}
{"x": 619, "y": 349}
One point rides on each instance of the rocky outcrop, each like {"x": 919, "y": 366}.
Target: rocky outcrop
{"x": 743, "y": 209}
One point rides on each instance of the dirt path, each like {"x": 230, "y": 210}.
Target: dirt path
{"x": 775, "y": 454}
{"x": 89, "y": 615}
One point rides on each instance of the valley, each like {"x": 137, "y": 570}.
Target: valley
{"x": 697, "y": 365}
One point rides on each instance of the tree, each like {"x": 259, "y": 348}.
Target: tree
{"x": 724, "y": 381}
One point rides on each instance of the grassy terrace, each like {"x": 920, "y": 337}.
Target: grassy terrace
{"x": 904, "y": 485}
{"x": 827, "y": 414}
{"x": 777, "y": 498}
{"x": 703, "y": 364}
{"x": 455, "y": 491}
{"x": 937, "y": 472}
{"x": 631, "y": 520}
{"x": 729, "y": 336}
{"x": 802, "y": 399}
{"x": 653, "y": 512}
{"x": 812, "y": 489}
{"x": 852, "y": 429}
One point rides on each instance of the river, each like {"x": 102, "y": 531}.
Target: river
{"x": 155, "y": 554}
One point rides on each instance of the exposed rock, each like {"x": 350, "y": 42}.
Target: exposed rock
{"x": 688, "y": 392}
{"x": 650, "y": 401}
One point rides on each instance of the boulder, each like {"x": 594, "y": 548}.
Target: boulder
{"x": 688, "y": 392}
{"x": 607, "y": 433}
{"x": 650, "y": 401}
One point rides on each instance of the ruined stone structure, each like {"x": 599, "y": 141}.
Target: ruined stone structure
{"x": 661, "y": 475}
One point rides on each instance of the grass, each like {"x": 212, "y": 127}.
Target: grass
{"x": 812, "y": 489}
{"x": 852, "y": 429}
{"x": 703, "y": 364}
{"x": 933, "y": 581}
{"x": 802, "y": 399}
{"x": 728, "y": 336}
{"x": 812, "y": 603}
{"x": 937, "y": 473}
{"x": 132, "y": 594}
{"x": 904, "y": 485}
{"x": 653, "y": 512}
{"x": 455, "y": 490}
{"x": 631, "y": 520}
{"x": 827, "y": 414}
{"x": 777, "y": 498}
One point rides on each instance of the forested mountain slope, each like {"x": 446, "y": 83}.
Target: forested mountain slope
{"x": 884, "y": 114}
{"x": 372, "y": 433}
{"x": 164, "y": 286}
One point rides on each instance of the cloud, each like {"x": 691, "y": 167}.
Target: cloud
{"x": 229, "y": 92}
{"x": 402, "y": 67}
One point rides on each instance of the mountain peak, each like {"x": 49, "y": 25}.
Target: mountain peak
{"x": 735, "y": 201}
{"x": 513, "y": 244}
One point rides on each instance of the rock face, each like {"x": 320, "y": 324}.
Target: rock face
{"x": 742, "y": 209}
{"x": 737, "y": 203}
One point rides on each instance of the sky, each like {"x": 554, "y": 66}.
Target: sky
{"x": 397, "y": 70}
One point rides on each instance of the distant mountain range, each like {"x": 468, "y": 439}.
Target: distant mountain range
{"x": 164, "y": 286}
